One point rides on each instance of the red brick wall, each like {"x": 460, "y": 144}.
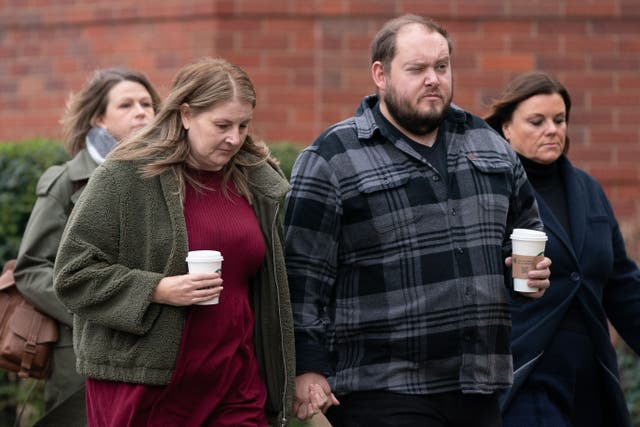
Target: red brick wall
{"x": 309, "y": 61}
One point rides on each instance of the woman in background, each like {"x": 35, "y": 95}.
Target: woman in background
{"x": 566, "y": 371}
{"x": 113, "y": 104}
{"x": 192, "y": 180}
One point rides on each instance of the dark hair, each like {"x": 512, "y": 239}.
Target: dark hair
{"x": 383, "y": 46}
{"x": 91, "y": 102}
{"x": 522, "y": 88}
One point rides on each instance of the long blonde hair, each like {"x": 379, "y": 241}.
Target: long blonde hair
{"x": 90, "y": 103}
{"x": 162, "y": 145}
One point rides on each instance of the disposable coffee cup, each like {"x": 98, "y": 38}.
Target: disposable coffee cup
{"x": 528, "y": 250}
{"x": 205, "y": 262}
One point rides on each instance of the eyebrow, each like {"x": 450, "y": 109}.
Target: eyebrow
{"x": 421, "y": 62}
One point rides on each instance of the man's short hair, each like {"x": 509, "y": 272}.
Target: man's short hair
{"x": 383, "y": 46}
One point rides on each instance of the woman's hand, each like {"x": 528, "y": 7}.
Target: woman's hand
{"x": 187, "y": 289}
{"x": 538, "y": 278}
{"x": 313, "y": 395}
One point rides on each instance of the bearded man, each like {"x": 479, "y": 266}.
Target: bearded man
{"x": 397, "y": 229}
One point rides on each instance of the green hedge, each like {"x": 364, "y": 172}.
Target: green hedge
{"x": 21, "y": 164}
{"x": 286, "y": 153}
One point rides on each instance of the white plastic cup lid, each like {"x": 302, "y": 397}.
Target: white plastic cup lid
{"x": 204, "y": 256}
{"x": 526, "y": 234}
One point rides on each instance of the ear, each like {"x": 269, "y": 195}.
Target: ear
{"x": 99, "y": 122}
{"x": 185, "y": 115}
{"x": 379, "y": 76}
{"x": 506, "y": 130}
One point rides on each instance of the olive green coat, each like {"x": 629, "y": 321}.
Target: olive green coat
{"x": 57, "y": 191}
{"x": 125, "y": 234}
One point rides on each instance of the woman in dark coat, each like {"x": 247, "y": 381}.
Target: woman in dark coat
{"x": 566, "y": 371}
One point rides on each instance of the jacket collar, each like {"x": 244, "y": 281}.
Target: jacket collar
{"x": 264, "y": 179}
{"x": 572, "y": 239}
{"x": 576, "y": 201}
{"x": 81, "y": 166}
{"x": 367, "y": 127}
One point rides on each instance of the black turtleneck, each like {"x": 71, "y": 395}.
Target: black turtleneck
{"x": 547, "y": 181}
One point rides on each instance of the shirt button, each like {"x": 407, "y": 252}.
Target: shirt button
{"x": 575, "y": 276}
{"x": 459, "y": 251}
{"x": 454, "y": 212}
{"x": 436, "y": 178}
{"x": 467, "y": 292}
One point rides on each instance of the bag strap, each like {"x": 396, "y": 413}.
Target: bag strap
{"x": 30, "y": 346}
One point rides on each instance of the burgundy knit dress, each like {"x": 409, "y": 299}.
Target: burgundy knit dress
{"x": 216, "y": 380}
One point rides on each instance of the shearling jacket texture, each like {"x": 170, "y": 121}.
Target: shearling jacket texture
{"x": 125, "y": 234}
{"x": 57, "y": 190}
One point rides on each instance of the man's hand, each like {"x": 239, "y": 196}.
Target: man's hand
{"x": 538, "y": 278}
{"x": 313, "y": 395}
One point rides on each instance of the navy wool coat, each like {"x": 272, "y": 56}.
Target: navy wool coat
{"x": 591, "y": 266}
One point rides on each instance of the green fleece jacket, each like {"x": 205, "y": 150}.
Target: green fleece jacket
{"x": 124, "y": 235}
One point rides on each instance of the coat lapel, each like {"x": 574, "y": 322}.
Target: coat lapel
{"x": 577, "y": 204}
{"x": 168, "y": 182}
{"x": 553, "y": 226}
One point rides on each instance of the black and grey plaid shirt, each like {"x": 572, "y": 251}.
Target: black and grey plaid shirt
{"x": 397, "y": 275}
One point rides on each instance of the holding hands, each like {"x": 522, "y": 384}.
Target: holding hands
{"x": 313, "y": 395}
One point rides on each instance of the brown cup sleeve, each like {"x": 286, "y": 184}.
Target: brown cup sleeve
{"x": 522, "y": 264}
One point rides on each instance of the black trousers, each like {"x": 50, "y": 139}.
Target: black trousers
{"x": 383, "y": 408}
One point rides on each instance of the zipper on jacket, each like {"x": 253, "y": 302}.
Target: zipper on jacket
{"x": 274, "y": 232}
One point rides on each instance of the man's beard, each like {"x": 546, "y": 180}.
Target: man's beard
{"x": 414, "y": 121}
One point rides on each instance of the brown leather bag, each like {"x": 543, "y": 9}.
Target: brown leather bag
{"x": 27, "y": 336}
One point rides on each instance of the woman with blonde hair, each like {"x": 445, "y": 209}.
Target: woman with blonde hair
{"x": 193, "y": 180}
